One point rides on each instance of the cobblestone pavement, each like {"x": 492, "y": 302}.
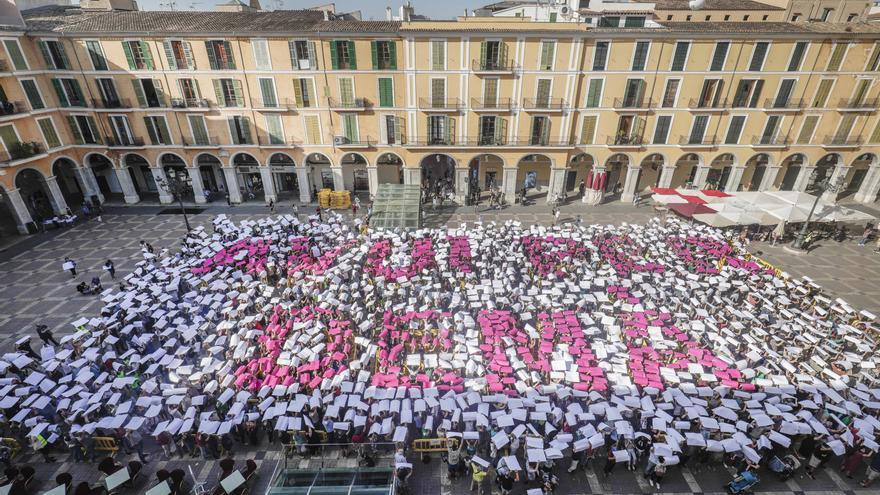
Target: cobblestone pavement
{"x": 36, "y": 290}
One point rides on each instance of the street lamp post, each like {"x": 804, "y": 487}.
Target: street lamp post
{"x": 821, "y": 187}
{"x": 176, "y": 186}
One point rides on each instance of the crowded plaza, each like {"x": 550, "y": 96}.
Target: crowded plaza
{"x": 514, "y": 354}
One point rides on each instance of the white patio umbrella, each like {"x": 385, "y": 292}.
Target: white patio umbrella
{"x": 789, "y": 212}
{"x": 714, "y": 219}
{"x": 837, "y": 213}
{"x": 796, "y": 198}
{"x": 743, "y": 217}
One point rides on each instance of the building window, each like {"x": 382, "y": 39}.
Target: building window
{"x": 149, "y": 92}
{"x": 199, "y": 130}
{"x": 609, "y": 21}
{"x": 548, "y": 52}
{"x": 13, "y": 49}
{"x": 734, "y": 130}
{"x": 786, "y": 87}
{"x": 438, "y": 55}
{"x": 342, "y": 55}
{"x": 710, "y": 96}
{"x": 588, "y": 129}
{"x": 440, "y": 130}
{"x": 540, "y": 135}
{"x": 634, "y": 21}
{"x": 228, "y": 92}
{"x": 220, "y": 55}
{"x": 33, "y": 94}
{"x": 302, "y": 55}
{"x": 720, "y": 56}
{"x": 837, "y": 54}
{"x": 54, "y": 55}
{"x": 189, "y": 92}
{"x": 826, "y": 13}
{"x": 770, "y": 128}
{"x": 157, "y": 128}
{"x": 50, "y": 134}
{"x": 138, "y": 55}
{"x": 670, "y": 94}
{"x": 600, "y": 57}
{"x": 303, "y": 93}
{"x": 493, "y": 55}
{"x": 746, "y": 17}
{"x": 274, "y": 129}
{"x": 640, "y": 56}
{"x": 83, "y": 129}
{"x": 313, "y": 129}
{"x": 795, "y": 17}
{"x": 262, "y": 60}
{"x": 384, "y": 55}
{"x": 393, "y": 133}
{"x": 797, "y": 56}
{"x": 727, "y": 17}
{"x": 688, "y": 18}
{"x": 386, "y": 92}
{"x": 10, "y": 140}
{"x": 822, "y": 93}
{"x": 764, "y": 17}
{"x": 874, "y": 59}
{"x": 679, "y": 57}
{"x": 758, "y": 56}
{"x": 438, "y": 92}
{"x": 96, "y": 55}
{"x": 346, "y": 91}
{"x": 748, "y": 92}
{"x": 661, "y": 129}
{"x": 634, "y": 95}
{"x": 69, "y": 92}
{"x": 267, "y": 91}
{"x": 594, "y": 93}
{"x": 109, "y": 95}
{"x": 240, "y": 129}
{"x": 121, "y": 130}
{"x": 851, "y": 17}
{"x": 807, "y": 129}
{"x": 698, "y": 131}
{"x": 179, "y": 55}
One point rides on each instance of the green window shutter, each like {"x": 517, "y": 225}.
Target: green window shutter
{"x": 232, "y": 130}
{"x": 450, "y": 130}
{"x": 720, "y": 56}
{"x": 291, "y": 48}
{"x": 48, "y": 130}
{"x": 236, "y": 88}
{"x": 352, "y": 56}
{"x": 756, "y": 93}
{"x": 164, "y": 133}
{"x": 74, "y": 129}
{"x": 273, "y": 128}
{"x": 148, "y": 55}
{"x": 861, "y": 90}
{"x": 641, "y": 55}
{"x": 594, "y": 93}
{"x": 759, "y": 54}
{"x": 588, "y": 129}
{"x": 47, "y": 58}
{"x": 845, "y": 127}
{"x": 734, "y": 129}
{"x": 502, "y": 54}
{"x": 230, "y": 58}
{"x": 7, "y": 135}
{"x": 374, "y": 52}
{"x": 139, "y": 92}
{"x": 874, "y": 58}
{"x": 15, "y": 54}
{"x": 875, "y": 136}
{"x": 65, "y": 62}
{"x": 59, "y": 91}
{"x": 199, "y": 129}
{"x": 679, "y": 58}
{"x": 246, "y": 130}
{"x": 151, "y": 130}
{"x": 807, "y": 129}
{"x": 169, "y": 55}
{"x": 438, "y": 57}
{"x": 160, "y": 92}
{"x": 545, "y": 131}
{"x": 93, "y": 128}
{"x": 392, "y": 53}
{"x": 212, "y": 57}
{"x": 822, "y": 93}
{"x": 797, "y": 56}
{"x": 218, "y": 92}
{"x": 313, "y": 58}
{"x": 547, "y": 49}
{"x": 836, "y": 57}
{"x": 500, "y": 130}
{"x": 484, "y": 50}
{"x": 349, "y": 122}
{"x": 129, "y": 57}
{"x": 398, "y": 129}
{"x": 346, "y": 91}
{"x": 334, "y": 56}
{"x": 661, "y": 129}
{"x": 386, "y": 92}
{"x": 188, "y": 53}
{"x": 267, "y": 90}
{"x": 77, "y": 92}
{"x": 297, "y": 92}
{"x": 490, "y": 92}
{"x": 33, "y": 94}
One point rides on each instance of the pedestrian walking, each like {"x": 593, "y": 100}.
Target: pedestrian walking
{"x": 320, "y": 213}
{"x": 295, "y": 210}
{"x": 873, "y": 471}
{"x": 111, "y": 268}
{"x": 70, "y": 266}
{"x": 272, "y": 206}
{"x": 866, "y": 235}
{"x": 878, "y": 245}
{"x": 228, "y": 200}
{"x": 45, "y": 334}
{"x": 637, "y": 199}
{"x": 354, "y": 209}
{"x": 556, "y": 213}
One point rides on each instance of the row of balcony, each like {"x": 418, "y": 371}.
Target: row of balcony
{"x": 687, "y": 141}
{"x": 476, "y": 104}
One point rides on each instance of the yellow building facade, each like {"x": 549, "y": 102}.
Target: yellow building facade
{"x": 272, "y": 105}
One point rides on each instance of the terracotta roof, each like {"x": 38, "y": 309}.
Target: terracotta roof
{"x": 356, "y": 26}
{"x": 715, "y": 5}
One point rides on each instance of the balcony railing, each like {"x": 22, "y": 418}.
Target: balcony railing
{"x": 633, "y": 103}
{"x": 859, "y": 104}
{"x": 537, "y": 141}
{"x": 779, "y": 141}
{"x": 485, "y": 141}
{"x": 780, "y": 105}
{"x": 498, "y": 104}
{"x": 359, "y": 142}
{"x": 20, "y": 151}
{"x": 440, "y": 104}
{"x": 545, "y": 104}
{"x": 190, "y": 103}
{"x": 11, "y": 108}
{"x": 280, "y": 104}
{"x": 432, "y": 141}
{"x": 111, "y": 104}
{"x": 841, "y": 142}
{"x": 688, "y": 140}
{"x": 207, "y": 142}
{"x": 349, "y": 105}
{"x": 625, "y": 141}
{"x": 126, "y": 142}
{"x": 493, "y": 66}
{"x": 265, "y": 140}
{"x": 698, "y": 104}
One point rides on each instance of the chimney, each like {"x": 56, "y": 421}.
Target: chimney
{"x": 388, "y": 13}
{"x": 326, "y": 15}
{"x": 465, "y": 12}
{"x": 10, "y": 15}
{"x": 255, "y": 4}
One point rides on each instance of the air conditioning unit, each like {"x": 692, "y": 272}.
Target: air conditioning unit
{"x": 304, "y": 64}
{"x": 339, "y": 140}
{"x": 564, "y": 10}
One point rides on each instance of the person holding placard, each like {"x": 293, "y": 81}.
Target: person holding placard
{"x": 70, "y": 266}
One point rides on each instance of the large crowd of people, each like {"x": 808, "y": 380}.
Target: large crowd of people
{"x": 529, "y": 350}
